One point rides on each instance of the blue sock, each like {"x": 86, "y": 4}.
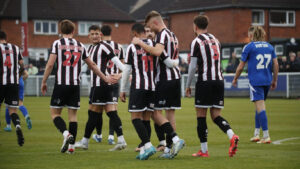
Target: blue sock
{"x": 257, "y": 125}
{"x": 23, "y": 110}
{"x": 7, "y": 116}
{"x": 262, "y": 116}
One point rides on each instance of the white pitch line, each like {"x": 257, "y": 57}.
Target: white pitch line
{"x": 286, "y": 139}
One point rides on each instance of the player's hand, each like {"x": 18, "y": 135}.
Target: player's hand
{"x": 117, "y": 76}
{"x": 234, "y": 82}
{"x": 44, "y": 88}
{"x": 188, "y": 92}
{"x": 273, "y": 85}
{"x": 109, "y": 80}
{"x": 123, "y": 97}
{"x": 135, "y": 40}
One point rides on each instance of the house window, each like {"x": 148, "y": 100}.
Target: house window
{"x": 282, "y": 18}
{"x": 83, "y": 27}
{"x": 279, "y": 50}
{"x": 258, "y": 17}
{"x": 226, "y": 53}
{"x": 238, "y": 52}
{"x": 45, "y": 27}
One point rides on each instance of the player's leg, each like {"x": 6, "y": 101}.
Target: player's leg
{"x": 167, "y": 127}
{"x": 146, "y": 116}
{"x": 161, "y": 137}
{"x": 117, "y": 126}
{"x": 93, "y": 115}
{"x": 202, "y": 132}
{"x": 115, "y": 95}
{"x": 8, "y": 120}
{"x": 99, "y": 123}
{"x": 24, "y": 111}
{"x": 170, "y": 115}
{"x": 73, "y": 125}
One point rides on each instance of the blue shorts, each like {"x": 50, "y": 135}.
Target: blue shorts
{"x": 21, "y": 88}
{"x": 258, "y": 92}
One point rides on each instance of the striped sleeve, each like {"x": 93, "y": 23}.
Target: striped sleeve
{"x": 54, "y": 48}
{"x": 129, "y": 56}
{"x": 195, "y": 48}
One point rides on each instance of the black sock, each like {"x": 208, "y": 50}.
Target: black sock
{"x": 202, "y": 129}
{"x": 73, "y": 129}
{"x": 111, "y": 127}
{"x": 141, "y": 130}
{"x": 159, "y": 132}
{"x": 116, "y": 122}
{"x": 90, "y": 124}
{"x": 99, "y": 123}
{"x": 60, "y": 124}
{"x": 222, "y": 123}
{"x": 168, "y": 129}
{"x": 148, "y": 127}
{"x": 15, "y": 119}
{"x": 169, "y": 141}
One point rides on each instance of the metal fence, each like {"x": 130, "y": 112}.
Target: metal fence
{"x": 288, "y": 85}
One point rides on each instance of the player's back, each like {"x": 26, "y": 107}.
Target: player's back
{"x": 70, "y": 53}
{"x": 9, "y": 59}
{"x": 143, "y": 66}
{"x": 260, "y": 57}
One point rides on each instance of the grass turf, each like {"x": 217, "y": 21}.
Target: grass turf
{"x": 43, "y": 141}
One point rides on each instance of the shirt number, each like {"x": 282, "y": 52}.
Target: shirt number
{"x": 7, "y": 62}
{"x": 261, "y": 59}
{"x": 145, "y": 61}
{"x": 69, "y": 56}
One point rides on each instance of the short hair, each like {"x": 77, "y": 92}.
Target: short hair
{"x": 94, "y": 28}
{"x": 151, "y": 15}
{"x": 2, "y": 35}
{"x": 138, "y": 28}
{"x": 67, "y": 26}
{"x": 258, "y": 33}
{"x": 201, "y": 21}
{"x": 106, "y": 30}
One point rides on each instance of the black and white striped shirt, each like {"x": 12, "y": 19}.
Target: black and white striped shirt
{"x": 101, "y": 54}
{"x": 207, "y": 50}
{"x": 70, "y": 54}
{"x": 118, "y": 51}
{"x": 170, "y": 42}
{"x": 143, "y": 66}
{"x": 10, "y": 56}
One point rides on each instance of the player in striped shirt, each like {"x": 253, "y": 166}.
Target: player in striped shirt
{"x": 68, "y": 54}
{"x": 10, "y": 60}
{"x": 101, "y": 97}
{"x": 112, "y": 69}
{"x": 167, "y": 90}
{"x": 205, "y": 55}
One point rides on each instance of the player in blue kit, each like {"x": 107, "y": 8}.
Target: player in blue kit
{"x": 262, "y": 61}
{"x": 22, "y": 108}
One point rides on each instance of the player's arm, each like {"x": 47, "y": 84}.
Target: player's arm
{"x": 170, "y": 63}
{"x": 275, "y": 74}
{"x": 97, "y": 71}
{"x": 191, "y": 75}
{"x": 238, "y": 72}
{"x": 48, "y": 70}
{"x": 153, "y": 50}
{"x": 125, "y": 82}
{"x": 25, "y": 74}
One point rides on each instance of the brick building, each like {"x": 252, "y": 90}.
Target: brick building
{"x": 44, "y": 17}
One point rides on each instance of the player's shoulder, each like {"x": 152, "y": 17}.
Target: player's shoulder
{"x": 248, "y": 46}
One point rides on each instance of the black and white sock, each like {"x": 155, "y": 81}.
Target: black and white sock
{"x": 160, "y": 133}
{"x": 99, "y": 123}
{"x": 90, "y": 124}
{"x": 141, "y": 131}
{"x": 202, "y": 133}
{"x": 147, "y": 124}
{"x": 60, "y": 124}
{"x": 224, "y": 126}
{"x": 73, "y": 129}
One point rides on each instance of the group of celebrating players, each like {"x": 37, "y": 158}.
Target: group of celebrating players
{"x": 152, "y": 61}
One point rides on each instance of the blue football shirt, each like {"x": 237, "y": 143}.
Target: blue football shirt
{"x": 259, "y": 56}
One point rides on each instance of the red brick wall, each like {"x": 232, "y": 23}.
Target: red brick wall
{"x": 228, "y": 25}
{"x": 120, "y": 34}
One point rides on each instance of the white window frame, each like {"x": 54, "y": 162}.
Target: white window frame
{"x": 276, "y": 49}
{"x": 238, "y": 55}
{"x": 225, "y": 56}
{"x": 286, "y": 17}
{"x": 49, "y": 22}
{"x": 86, "y": 27}
{"x": 263, "y": 17}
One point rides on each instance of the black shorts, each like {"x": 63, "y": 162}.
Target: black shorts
{"x": 209, "y": 94}
{"x": 141, "y": 100}
{"x": 102, "y": 95}
{"x": 168, "y": 95}
{"x": 10, "y": 95}
{"x": 65, "y": 96}
{"x": 115, "y": 92}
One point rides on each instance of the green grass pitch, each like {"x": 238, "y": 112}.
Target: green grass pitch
{"x": 43, "y": 141}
